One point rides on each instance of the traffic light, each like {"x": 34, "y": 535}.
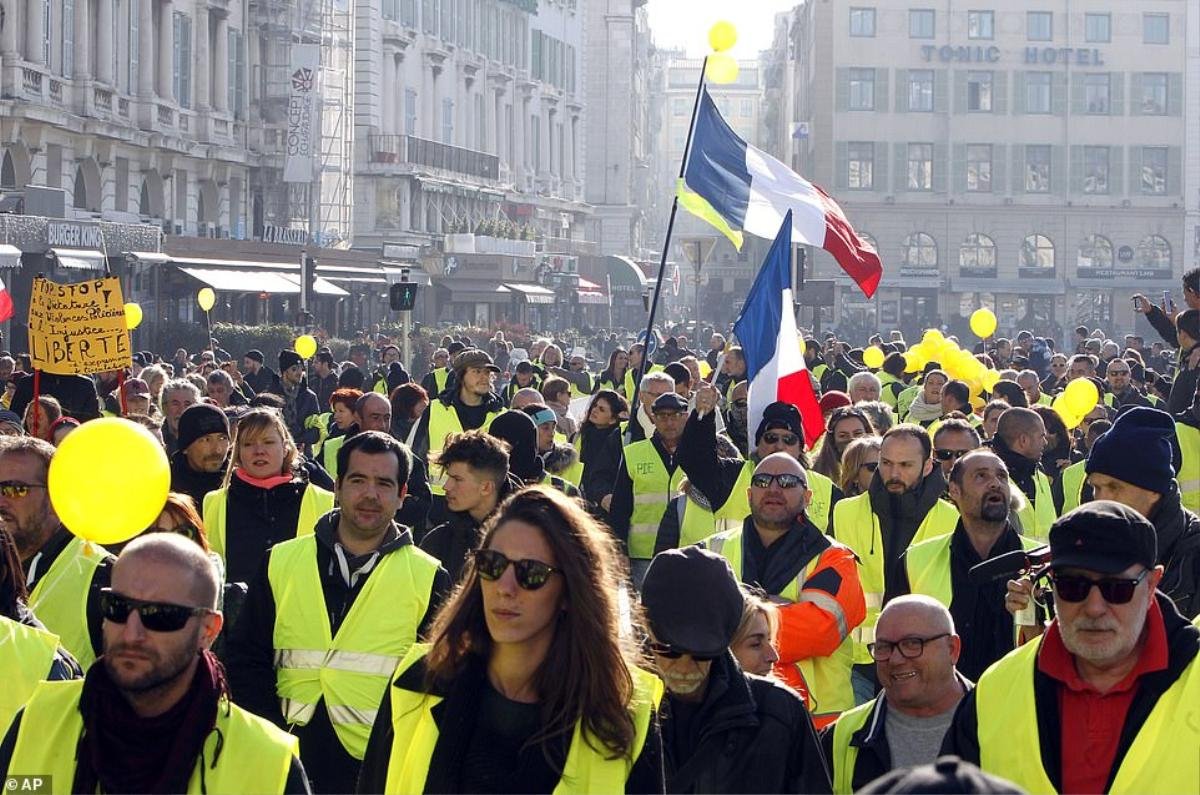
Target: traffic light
{"x": 403, "y": 296}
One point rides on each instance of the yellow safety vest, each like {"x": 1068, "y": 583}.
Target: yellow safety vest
{"x": 905, "y": 400}
{"x": 243, "y": 753}
{"x": 351, "y": 670}
{"x": 653, "y": 490}
{"x": 576, "y": 392}
{"x": 888, "y": 396}
{"x": 697, "y": 522}
{"x": 440, "y": 376}
{"x": 819, "y": 371}
{"x": 618, "y": 386}
{"x": 315, "y": 503}
{"x": 587, "y": 770}
{"x": 928, "y": 567}
{"x": 845, "y": 755}
{"x": 1189, "y": 470}
{"x": 1037, "y": 516}
{"x": 59, "y": 598}
{"x": 443, "y": 422}
{"x": 26, "y": 655}
{"x": 857, "y": 526}
{"x": 1073, "y": 478}
{"x": 631, "y": 389}
{"x": 737, "y": 506}
{"x": 329, "y": 455}
{"x": 1162, "y": 757}
{"x": 826, "y": 678}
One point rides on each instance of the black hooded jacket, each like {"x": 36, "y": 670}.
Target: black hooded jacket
{"x": 899, "y": 517}
{"x": 1178, "y": 531}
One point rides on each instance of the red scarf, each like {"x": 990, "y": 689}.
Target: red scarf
{"x": 262, "y": 483}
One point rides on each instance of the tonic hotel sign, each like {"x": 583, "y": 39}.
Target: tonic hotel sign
{"x": 1046, "y": 56}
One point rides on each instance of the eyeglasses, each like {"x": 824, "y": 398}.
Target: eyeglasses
{"x": 666, "y": 652}
{"x": 531, "y": 574}
{"x": 870, "y": 466}
{"x": 776, "y": 438}
{"x": 1114, "y": 590}
{"x": 785, "y": 480}
{"x": 15, "y": 489}
{"x": 155, "y": 616}
{"x": 910, "y": 648}
{"x": 949, "y": 455}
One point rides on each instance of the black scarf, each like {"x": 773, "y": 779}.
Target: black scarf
{"x": 784, "y": 559}
{"x": 901, "y": 514}
{"x": 1021, "y": 470}
{"x": 121, "y": 752}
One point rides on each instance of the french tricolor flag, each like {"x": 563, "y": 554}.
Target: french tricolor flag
{"x": 6, "y": 302}
{"x": 767, "y": 331}
{"x": 737, "y": 187}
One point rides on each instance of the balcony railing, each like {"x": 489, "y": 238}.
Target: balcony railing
{"x": 433, "y": 154}
{"x": 166, "y": 116}
{"x": 31, "y": 79}
{"x": 103, "y": 99}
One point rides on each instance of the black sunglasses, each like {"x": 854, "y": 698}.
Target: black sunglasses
{"x": 949, "y": 455}
{"x": 770, "y": 437}
{"x": 531, "y": 574}
{"x": 15, "y": 489}
{"x": 1114, "y": 590}
{"x": 155, "y": 616}
{"x": 785, "y": 480}
{"x": 668, "y": 653}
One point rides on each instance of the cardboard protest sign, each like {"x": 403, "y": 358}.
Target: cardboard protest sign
{"x": 78, "y": 328}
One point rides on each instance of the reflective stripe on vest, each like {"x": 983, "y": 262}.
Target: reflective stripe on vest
{"x": 929, "y": 569}
{"x": 845, "y": 755}
{"x": 315, "y": 503}
{"x": 243, "y": 753}
{"x": 1038, "y": 515}
{"x": 1189, "y": 470}
{"x": 1073, "y": 478}
{"x": 856, "y": 526}
{"x": 827, "y": 679}
{"x": 349, "y": 671}
{"x": 653, "y": 490}
{"x": 587, "y": 770}
{"x": 1009, "y": 746}
{"x": 444, "y": 421}
{"x": 26, "y": 654}
{"x": 59, "y": 598}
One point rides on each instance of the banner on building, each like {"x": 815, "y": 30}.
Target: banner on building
{"x": 78, "y": 328}
{"x": 303, "y": 116}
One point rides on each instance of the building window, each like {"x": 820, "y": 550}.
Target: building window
{"x": 1037, "y": 251}
{"x": 920, "y": 90}
{"x": 748, "y": 108}
{"x": 922, "y": 23}
{"x": 1039, "y": 26}
{"x": 46, "y": 31}
{"x": 1037, "y": 92}
{"x": 131, "y": 78}
{"x": 920, "y": 166}
{"x": 862, "y": 22}
{"x": 981, "y": 25}
{"x": 1095, "y": 169}
{"x": 979, "y": 91}
{"x": 977, "y": 253}
{"x": 862, "y": 89}
{"x": 390, "y": 10}
{"x": 680, "y": 106}
{"x": 979, "y": 168}
{"x": 920, "y": 251}
{"x": 447, "y": 121}
{"x": 1037, "y": 168}
{"x": 237, "y": 73}
{"x": 1096, "y": 251}
{"x": 1156, "y": 28}
{"x": 68, "y": 37}
{"x": 1154, "y": 252}
{"x": 1154, "y": 170}
{"x": 1097, "y": 28}
{"x": 1097, "y": 93}
{"x": 1154, "y": 94}
{"x": 860, "y": 165}
{"x": 182, "y": 72}
{"x": 410, "y": 113}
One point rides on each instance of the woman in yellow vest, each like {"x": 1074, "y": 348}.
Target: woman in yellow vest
{"x": 529, "y": 682}
{"x": 266, "y": 497}
{"x": 613, "y": 376}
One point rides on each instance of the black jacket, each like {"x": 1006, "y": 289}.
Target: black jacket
{"x": 750, "y": 734}
{"x": 600, "y": 451}
{"x": 1183, "y": 389}
{"x": 1021, "y": 470}
{"x": 76, "y": 393}
{"x": 250, "y": 655}
{"x": 1178, "y": 531}
{"x": 1183, "y": 643}
{"x": 899, "y": 517}
{"x": 255, "y": 520}
{"x": 195, "y": 484}
{"x": 452, "y": 541}
{"x": 1163, "y": 325}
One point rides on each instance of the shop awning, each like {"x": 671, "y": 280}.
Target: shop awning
{"x": 244, "y": 281}
{"x": 79, "y": 258}
{"x": 533, "y": 293}
{"x": 148, "y": 257}
{"x": 10, "y": 256}
{"x": 592, "y": 297}
{"x": 478, "y": 292}
{"x": 584, "y": 284}
{"x": 321, "y": 286}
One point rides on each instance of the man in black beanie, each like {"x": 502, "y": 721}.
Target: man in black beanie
{"x": 260, "y": 377}
{"x": 723, "y": 730}
{"x": 299, "y": 402}
{"x": 198, "y": 466}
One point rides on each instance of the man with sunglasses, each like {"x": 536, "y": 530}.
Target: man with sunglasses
{"x": 953, "y": 439}
{"x": 812, "y": 577}
{"x": 153, "y": 715}
{"x": 1105, "y": 699}
{"x": 331, "y": 614}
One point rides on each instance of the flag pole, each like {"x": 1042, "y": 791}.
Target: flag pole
{"x": 662, "y": 262}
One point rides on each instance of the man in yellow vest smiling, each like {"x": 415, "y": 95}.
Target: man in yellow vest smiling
{"x": 1105, "y": 700}
{"x": 153, "y": 715}
{"x": 331, "y": 614}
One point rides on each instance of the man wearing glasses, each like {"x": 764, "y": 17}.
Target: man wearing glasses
{"x": 154, "y": 714}
{"x": 812, "y": 577}
{"x": 953, "y": 439}
{"x": 915, "y": 652}
{"x": 1121, "y": 391}
{"x": 1106, "y": 699}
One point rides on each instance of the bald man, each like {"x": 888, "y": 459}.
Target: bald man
{"x": 1020, "y": 441}
{"x": 157, "y": 693}
{"x": 525, "y": 397}
{"x": 915, "y": 652}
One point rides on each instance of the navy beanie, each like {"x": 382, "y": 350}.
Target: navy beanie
{"x": 1137, "y": 450}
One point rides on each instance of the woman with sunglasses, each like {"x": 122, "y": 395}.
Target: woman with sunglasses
{"x": 859, "y": 462}
{"x": 530, "y": 681}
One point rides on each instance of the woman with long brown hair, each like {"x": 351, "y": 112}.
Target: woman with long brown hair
{"x": 530, "y": 682}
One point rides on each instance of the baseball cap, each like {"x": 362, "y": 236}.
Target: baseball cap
{"x": 136, "y": 387}
{"x": 473, "y": 357}
{"x": 1103, "y": 536}
{"x": 669, "y": 401}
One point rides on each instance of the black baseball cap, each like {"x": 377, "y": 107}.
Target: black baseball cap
{"x": 669, "y": 401}
{"x": 1103, "y": 536}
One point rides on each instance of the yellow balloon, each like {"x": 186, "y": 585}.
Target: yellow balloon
{"x": 1063, "y": 410}
{"x": 932, "y": 337}
{"x": 721, "y": 68}
{"x": 873, "y": 357}
{"x": 912, "y": 363}
{"x": 109, "y": 480}
{"x": 722, "y": 36}
{"x": 983, "y": 322}
{"x": 990, "y": 377}
{"x": 206, "y": 298}
{"x": 306, "y": 345}
{"x": 133, "y": 315}
{"x": 1080, "y": 396}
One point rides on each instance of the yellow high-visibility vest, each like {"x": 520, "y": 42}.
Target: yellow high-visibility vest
{"x": 1037, "y": 515}
{"x": 59, "y": 599}
{"x": 26, "y": 655}
{"x": 653, "y": 490}
{"x": 443, "y": 422}
{"x": 928, "y": 567}
{"x": 315, "y": 503}
{"x": 1189, "y": 470}
{"x": 1073, "y": 478}
{"x": 845, "y": 755}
